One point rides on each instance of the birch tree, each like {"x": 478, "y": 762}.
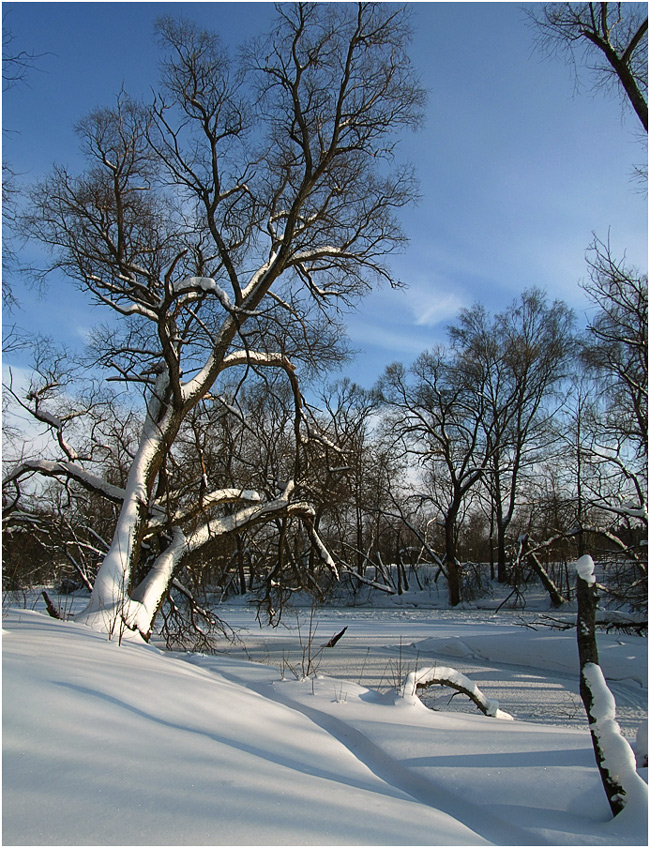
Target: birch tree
{"x": 216, "y": 225}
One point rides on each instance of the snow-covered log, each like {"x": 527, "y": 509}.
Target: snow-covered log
{"x": 445, "y": 676}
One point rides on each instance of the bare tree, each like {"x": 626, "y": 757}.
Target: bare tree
{"x": 519, "y": 357}
{"x": 436, "y": 416}
{"x": 16, "y": 64}
{"x": 479, "y": 411}
{"x": 614, "y": 437}
{"x": 617, "y": 348}
{"x": 208, "y": 224}
{"x": 353, "y": 479}
{"x": 614, "y": 37}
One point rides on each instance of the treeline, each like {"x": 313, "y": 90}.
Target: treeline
{"x": 515, "y": 447}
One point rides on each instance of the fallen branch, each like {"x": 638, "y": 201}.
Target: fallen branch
{"x": 368, "y": 582}
{"x": 525, "y": 552}
{"x": 52, "y": 610}
{"x": 445, "y": 676}
{"x": 335, "y": 638}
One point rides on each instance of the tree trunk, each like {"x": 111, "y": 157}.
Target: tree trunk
{"x": 110, "y": 598}
{"x": 452, "y": 565}
{"x": 555, "y": 595}
{"x": 359, "y": 529}
{"x": 502, "y": 572}
{"x": 588, "y": 654}
{"x": 454, "y": 579}
{"x": 240, "y": 566}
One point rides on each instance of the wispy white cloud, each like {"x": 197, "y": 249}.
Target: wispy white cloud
{"x": 388, "y": 336}
{"x": 432, "y": 307}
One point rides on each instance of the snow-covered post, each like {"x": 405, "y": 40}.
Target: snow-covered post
{"x": 614, "y": 756}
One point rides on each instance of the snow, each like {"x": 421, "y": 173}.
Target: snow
{"x": 124, "y": 744}
{"x": 205, "y": 284}
{"x": 618, "y": 756}
{"x": 585, "y": 568}
{"x": 453, "y": 678}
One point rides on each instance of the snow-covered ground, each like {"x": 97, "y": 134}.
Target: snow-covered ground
{"x": 531, "y": 672}
{"x": 109, "y": 744}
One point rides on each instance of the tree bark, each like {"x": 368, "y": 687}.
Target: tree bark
{"x": 454, "y": 579}
{"x": 588, "y": 655}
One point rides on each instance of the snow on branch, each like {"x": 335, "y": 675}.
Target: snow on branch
{"x": 261, "y": 513}
{"x": 253, "y": 357}
{"x": 246, "y": 517}
{"x": 320, "y": 547}
{"x": 71, "y": 470}
{"x": 203, "y": 285}
{"x": 239, "y": 357}
{"x": 207, "y": 501}
{"x": 445, "y": 676}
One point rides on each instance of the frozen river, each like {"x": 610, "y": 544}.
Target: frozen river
{"x": 532, "y": 673}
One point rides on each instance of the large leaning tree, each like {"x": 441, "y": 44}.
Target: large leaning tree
{"x": 221, "y": 225}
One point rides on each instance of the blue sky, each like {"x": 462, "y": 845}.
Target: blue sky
{"x": 517, "y": 166}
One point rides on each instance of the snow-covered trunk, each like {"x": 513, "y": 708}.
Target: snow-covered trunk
{"x": 110, "y": 599}
{"x": 614, "y": 757}
{"x": 151, "y": 591}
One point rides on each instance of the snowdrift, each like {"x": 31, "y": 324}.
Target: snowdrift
{"x": 120, "y": 745}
